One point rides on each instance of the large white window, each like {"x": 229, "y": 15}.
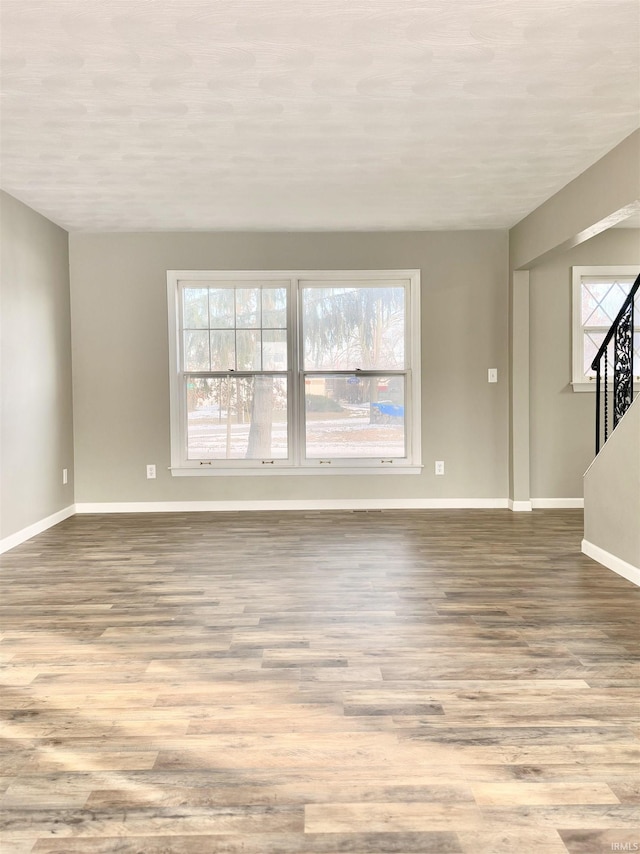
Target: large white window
{"x": 598, "y": 294}
{"x": 294, "y": 372}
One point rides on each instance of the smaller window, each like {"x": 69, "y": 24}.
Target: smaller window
{"x": 598, "y": 294}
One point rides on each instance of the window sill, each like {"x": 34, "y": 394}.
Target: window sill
{"x": 591, "y": 386}
{"x": 291, "y": 471}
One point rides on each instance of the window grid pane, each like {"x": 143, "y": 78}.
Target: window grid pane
{"x": 274, "y": 308}
{"x": 196, "y": 350}
{"x": 248, "y": 308}
{"x": 248, "y": 347}
{"x": 223, "y": 349}
{"x": 221, "y": 308}
{"x": 196, "y": 308}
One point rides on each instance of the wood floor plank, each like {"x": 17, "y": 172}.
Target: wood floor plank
{"x": 508, "y": 794}
{"x": 387, "y": 816}
{"x": 508, "y": 840}
{"x": 579, "y": 841}
{"x": 315, "y": 683}
{"x": 18, "y": 846}
{"x": 276, "y": 843}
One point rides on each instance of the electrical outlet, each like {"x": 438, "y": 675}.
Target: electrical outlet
{"x": 151, "y": 472}
{"x": 493, "y": 375}
{"x": 65, "y": 476}
{"x": 439, "y": 467}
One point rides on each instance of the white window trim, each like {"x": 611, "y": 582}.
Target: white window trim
{"x": 180, "y": 467}
{"x": 578, "y": 381}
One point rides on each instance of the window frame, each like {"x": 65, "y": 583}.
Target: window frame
{"x": 296, "y": 463}
{"x": 579, "y": 382}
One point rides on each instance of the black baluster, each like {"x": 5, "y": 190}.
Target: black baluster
{"x": 598, "y": 409}
{"x": 606, "y": 401}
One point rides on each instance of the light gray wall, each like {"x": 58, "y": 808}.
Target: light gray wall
{"x": 612, "y": 492}
{"x": 121, "y": 388}
{"x": 36, "y": 421}
{"x": 562, "y": 422}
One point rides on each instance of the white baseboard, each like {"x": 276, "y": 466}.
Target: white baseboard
{"x": 25, "y": 534}
{"x": 626, "y": 570}
{"x": 519, "y": 506}
{"x": 546, "y": 503}
{"x": 320, "y": 504}
{"x": 557, "y": 503}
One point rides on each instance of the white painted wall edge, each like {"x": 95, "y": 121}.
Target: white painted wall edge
{"x": 25, "y": 534}
{"x": 519, "y": 506}
{"x": 557, "y": 503}
{"x": 321, "y": 504}
{"x": 546, "y": 504}
{"x": 626, "y": 570}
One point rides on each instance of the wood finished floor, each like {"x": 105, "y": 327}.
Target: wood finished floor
{"x": 311, "y": 683}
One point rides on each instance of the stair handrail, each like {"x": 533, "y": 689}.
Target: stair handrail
{"x": 622, "y": 329}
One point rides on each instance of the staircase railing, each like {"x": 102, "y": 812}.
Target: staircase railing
{"x": 622, "y": 334}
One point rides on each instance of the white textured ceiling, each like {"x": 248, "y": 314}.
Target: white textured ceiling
{"x": 309, "y": 114}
